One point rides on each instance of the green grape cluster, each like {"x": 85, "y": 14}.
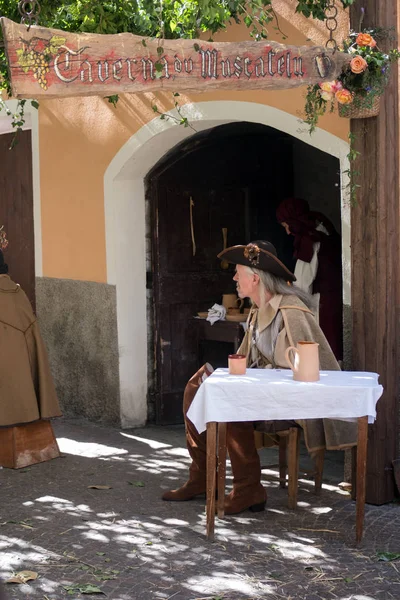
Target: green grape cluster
{"x": 39, "y": 66}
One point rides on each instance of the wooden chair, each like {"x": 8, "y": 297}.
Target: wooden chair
{"x": 289, "y": 458}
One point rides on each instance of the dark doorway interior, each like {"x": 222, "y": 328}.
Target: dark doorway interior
{"x": 16, "y": 209}
{"x": 233, "y": 177}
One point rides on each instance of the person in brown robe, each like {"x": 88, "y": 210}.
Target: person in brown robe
{"x": 317, "y": 248}
{"x": 281, "y": 316}
{"x": 26, "y": 384}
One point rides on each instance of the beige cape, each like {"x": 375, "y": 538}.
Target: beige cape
{"x": 27, "y": 391}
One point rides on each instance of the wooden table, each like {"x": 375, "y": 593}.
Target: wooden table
{"x": 222, "y": 331}
{"x": 208, "y": 407}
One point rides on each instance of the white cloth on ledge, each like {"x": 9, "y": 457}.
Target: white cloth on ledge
{"x": 216, "y": 313}
{"x": 272, "y": 394}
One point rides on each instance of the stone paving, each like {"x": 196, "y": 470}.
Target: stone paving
{"x": 130, "y": 544}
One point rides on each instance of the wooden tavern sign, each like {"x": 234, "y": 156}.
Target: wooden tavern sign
{"x": 53, "y": 63}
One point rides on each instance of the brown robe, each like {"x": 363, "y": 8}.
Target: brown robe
{"x": 296, "y": 323}
{"x": 27, "y": 391}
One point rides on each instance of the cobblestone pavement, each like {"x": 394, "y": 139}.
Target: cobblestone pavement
{"x": 132, "y": 545}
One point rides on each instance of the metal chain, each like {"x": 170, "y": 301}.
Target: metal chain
{"x": 29, "y": 11}
{"x": 331, "y": 23}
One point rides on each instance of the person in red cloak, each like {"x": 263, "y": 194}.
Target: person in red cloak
{"x": 317, "y": 248}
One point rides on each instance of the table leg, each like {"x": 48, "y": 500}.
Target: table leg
{"x": 362, "y": 441}
{"x": 354, "y": 473}
{"x": 211, "y": 478}
{"x": 293, "y": 466}
{"x": 283, "y": 466}
{"x": 319, "y": 460}
{"x": 221, "y": 469}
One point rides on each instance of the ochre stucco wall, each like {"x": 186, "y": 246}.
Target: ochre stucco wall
{"x": 80, "y": 136}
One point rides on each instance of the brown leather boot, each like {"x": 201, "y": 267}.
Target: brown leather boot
{"x": 196, "y": 445}
{"x": 247, "y": 493}
{"x": 253, "y": 499}
{"x": 188, "y": 491}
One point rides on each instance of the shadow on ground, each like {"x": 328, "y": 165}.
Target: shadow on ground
{"x": 131, "y": 545}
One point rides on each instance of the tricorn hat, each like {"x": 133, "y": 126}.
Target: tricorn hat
{"x": 258, "y": 255}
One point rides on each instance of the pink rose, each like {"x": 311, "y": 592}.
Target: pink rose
{"x": 328, "y": 86}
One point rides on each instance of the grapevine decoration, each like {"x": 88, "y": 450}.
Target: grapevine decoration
{"x": 36, "y": 54}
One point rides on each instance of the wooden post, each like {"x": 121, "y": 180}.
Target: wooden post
{"x": 375, "y": 236}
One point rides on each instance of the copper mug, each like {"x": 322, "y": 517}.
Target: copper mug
{"x": 306, "y": 362}
{"x": 237, "y": 364}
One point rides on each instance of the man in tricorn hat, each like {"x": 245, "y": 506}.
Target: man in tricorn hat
{"x": 281, "y": 316}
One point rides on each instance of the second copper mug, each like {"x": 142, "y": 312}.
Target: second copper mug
{"x": 306, "y": 362}
{"x": 237, "y": 364}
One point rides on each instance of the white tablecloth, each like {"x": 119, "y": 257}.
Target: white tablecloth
{"x": 272, "y": 394}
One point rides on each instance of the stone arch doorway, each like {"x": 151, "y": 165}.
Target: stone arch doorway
{"x": 127, "y": 230}
{"x": 231, "y": 177}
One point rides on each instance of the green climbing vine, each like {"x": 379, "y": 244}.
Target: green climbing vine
{"x": 352, "y": 172}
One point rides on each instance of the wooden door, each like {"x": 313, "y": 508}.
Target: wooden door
{"x": 187, "y": 278}
{"x": 16, "y": 210}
